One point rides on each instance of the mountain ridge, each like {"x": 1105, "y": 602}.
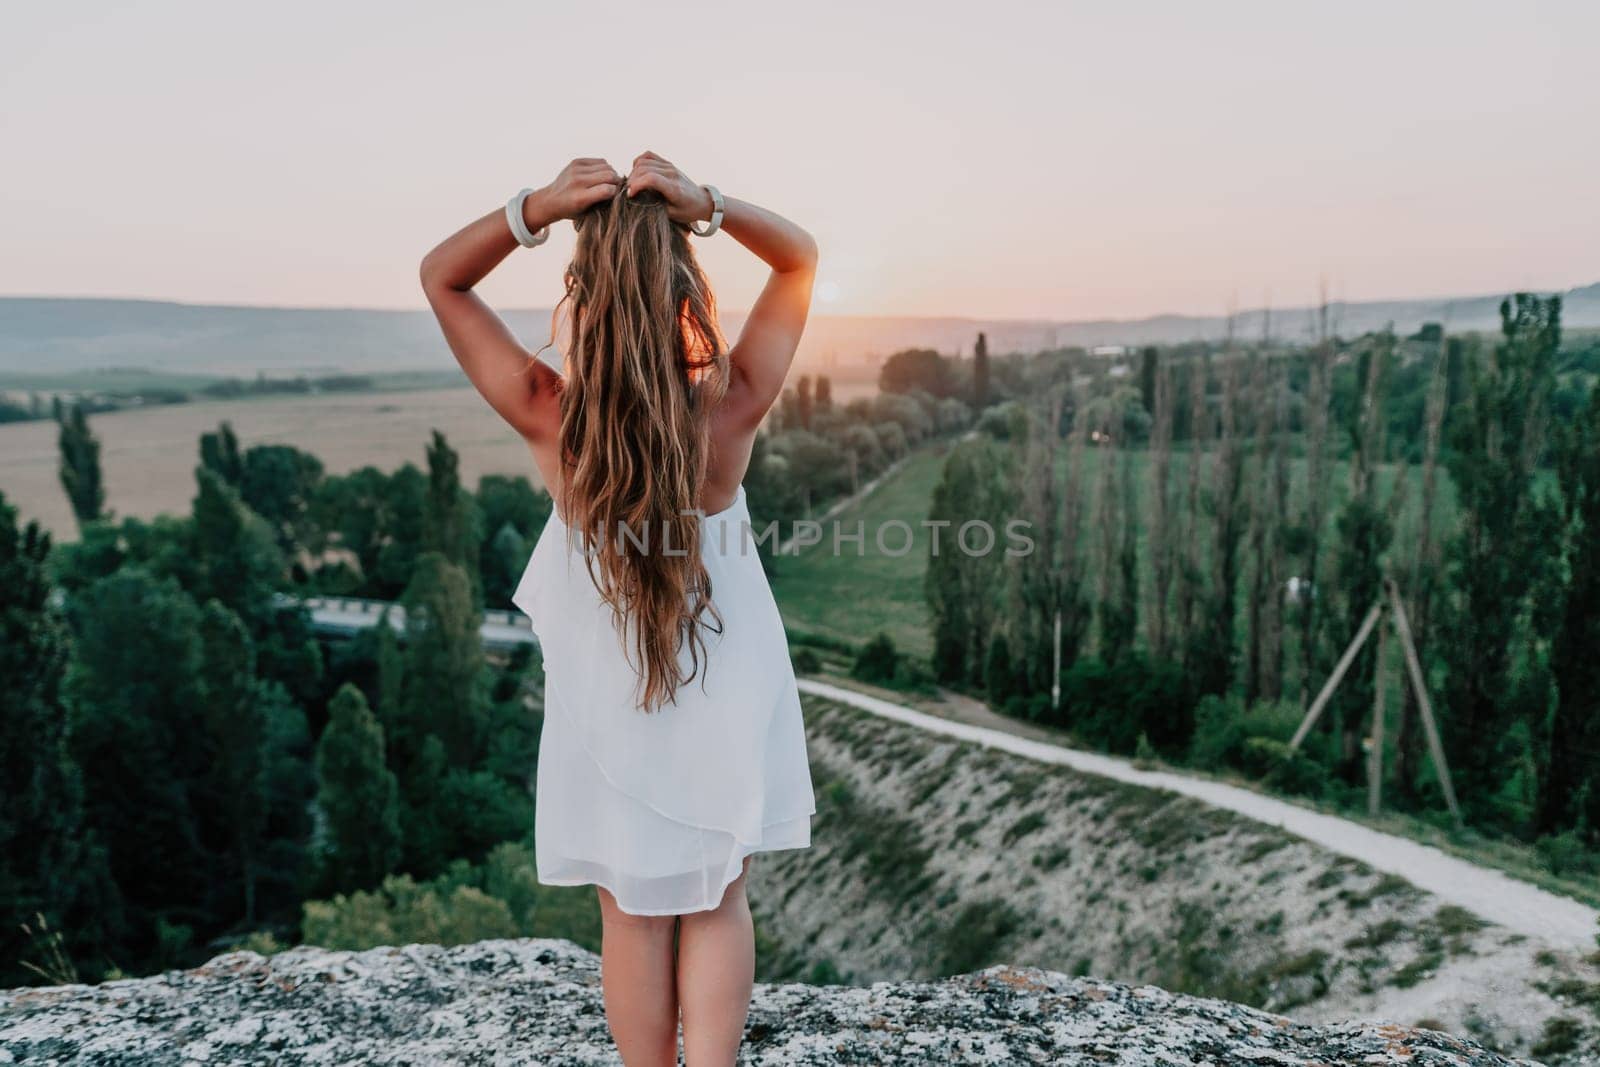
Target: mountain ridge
{"x": 74, "y": 334}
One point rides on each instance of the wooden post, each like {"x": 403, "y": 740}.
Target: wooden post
{"x": 1403, "y": 627}
{"x": 1055, "y": 675}
{"x": 1375, "y": 757}
{"x": 1338, "y": 673}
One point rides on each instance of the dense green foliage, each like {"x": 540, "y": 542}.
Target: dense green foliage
{"x": 1267, "y": 564}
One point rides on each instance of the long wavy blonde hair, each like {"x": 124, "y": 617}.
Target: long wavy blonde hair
{"x": 645, "y": 365}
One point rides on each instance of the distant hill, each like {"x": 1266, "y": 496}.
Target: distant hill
{"x": 64, "y": 334}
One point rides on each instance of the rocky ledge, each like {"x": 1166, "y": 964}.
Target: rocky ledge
{"x": 538, "y": 1002}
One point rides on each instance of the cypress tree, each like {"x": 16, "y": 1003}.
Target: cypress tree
{"x": 443, "y": 691}
{"x": 358, "y": 796}
{"x": 219, "y": 452}
{"x": 824, "y": 394}
{"x": 980, "y": 373}
{"x": 236, "y": 724}
{"x": 80, "y": 464}
{"x": 449, "y": 519}
{"x": 1148, "y": 359}
{"x": 237, "y": 558}
{"x": 805, "y": 406}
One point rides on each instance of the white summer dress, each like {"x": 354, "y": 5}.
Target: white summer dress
{"x": 661, "y": 808}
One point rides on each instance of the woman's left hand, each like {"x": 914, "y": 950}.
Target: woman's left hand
{"x": 686, "y": 201}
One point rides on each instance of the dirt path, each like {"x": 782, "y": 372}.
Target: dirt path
{"x": 1489, "y": 894}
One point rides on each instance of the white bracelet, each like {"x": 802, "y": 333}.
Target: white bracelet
{"x": 716, "y": 214}
{"x": 519, "y": 226}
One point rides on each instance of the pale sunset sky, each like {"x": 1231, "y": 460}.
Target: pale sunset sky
{"x": 993, "y": 159}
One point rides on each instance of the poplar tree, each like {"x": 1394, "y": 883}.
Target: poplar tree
{"x": 1163, "y": 549}
{"x": 1570, "y": 786}
{"x": 1495, "y": 557}
{"x": 1365, "y": 529}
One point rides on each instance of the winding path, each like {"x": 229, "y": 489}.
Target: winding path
{"x": 1489, "y": 894}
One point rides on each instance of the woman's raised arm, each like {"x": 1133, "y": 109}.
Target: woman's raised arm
{"x": 517, "y": 386}
{"x": 760, "y": 358}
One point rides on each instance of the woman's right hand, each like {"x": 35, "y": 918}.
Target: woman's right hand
{"x": 580, "y": 185}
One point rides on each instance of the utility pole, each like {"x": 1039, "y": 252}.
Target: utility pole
{"x": 1388, "y": 599}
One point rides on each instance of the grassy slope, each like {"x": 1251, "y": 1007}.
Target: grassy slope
{"x": 932, "y": 856}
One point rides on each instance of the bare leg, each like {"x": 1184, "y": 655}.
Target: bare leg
{"x": 716, "y": 969}
{"x": 636, "y": 976}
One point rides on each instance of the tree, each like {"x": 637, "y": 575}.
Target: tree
{"x": 279, "y": 482}
{"x": 877, "y": 662}
{"x": 1116, "y": 559}
{"x": 1423, "y": 578}
{"x": 236, "y": 727}
{"x": 1495, "y": 558}
{"x": 824, "y": 399}
{"x": 503, "y": 566}
{"x": 1365, "y": 529}
{"x": 449, "y": 516}
{"x": 1164, "y": 550}
{"x": 50, "y": 863}
{"x": 805, "y": 406}
{"x": 1309, "y": 533}
{"x": 443, "y": 690}
{"x": 1211, "y": 646}
{"x": 138, "y": 734}
{"x": 358, "y": 796}
{"x": 219, "y": 452}
{"x": 980, "y": 373}
{"x": 1149, "y": 356}
{"x": 1569, "y": 794}
{"x": 503, "y": 499}
{"x": 80, "y": 464}
{"x": 237, "y": 557}
{"x": 964, "y": 588}
{"x": 918, "y": 368}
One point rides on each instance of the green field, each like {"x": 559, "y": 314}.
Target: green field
{"x": 852, "y": 597}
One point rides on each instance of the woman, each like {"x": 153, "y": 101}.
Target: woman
{"x": 672, "y": 747}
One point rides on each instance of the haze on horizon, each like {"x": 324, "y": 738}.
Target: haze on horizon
{"x": 1005, "y": 160}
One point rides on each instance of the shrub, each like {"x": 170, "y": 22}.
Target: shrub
{"x": 876, "y": 662}
{"x": 807, "y": 662}
{"x": 1566, "y": 853}
{"x": 1110, "y": 705}
{"x": 976, "y": 935}
{"x": 1290, "y": 770}
{"x": 1224, "y": 728}
{"x": 499, "y": 898}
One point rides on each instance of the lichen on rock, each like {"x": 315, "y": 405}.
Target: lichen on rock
{"x": 538, "y": 1002}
